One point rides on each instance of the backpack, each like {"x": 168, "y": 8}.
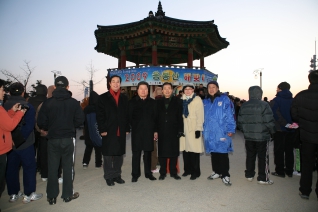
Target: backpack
{"x": 93, "y": 132}
{"x": 16, "y": 134}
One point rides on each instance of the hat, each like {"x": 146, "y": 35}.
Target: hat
{"x": 61, "y": 81}
{"x": 214, "y": 83}
{"x": 284, "y": 86}
{"x": 16, "y": 89}
{"x": 190, "y": 85}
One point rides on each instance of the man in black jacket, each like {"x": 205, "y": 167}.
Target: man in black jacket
{"x": 256, "y": 121}
{"x": 142, "y": 119}
{"x": 305, "y": 112}
{"x": 113, "y": 125}
{"x": 58, "y": 119}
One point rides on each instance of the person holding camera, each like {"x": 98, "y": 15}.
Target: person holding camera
{"x": 23, "y": 150}
{"x": 9, "y": 120}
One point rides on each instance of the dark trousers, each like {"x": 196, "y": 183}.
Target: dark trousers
{"x": 88, "y": 153}
{"x": 191, "y": 161}
{"x": 136, "y": 164}
{"x": 308, "y": 151}
{"x": 44, "y": 162}
{"x": 25, "y": 157}
{"x": 172, "y": 165}
{"x": 284, "y": 152}
{"x": 3, "y": 165}
{"x": 60, "y": 149}
{"x": 112, "y": 166}
{"x": 37, "y": 146}
{"x": 154, "y": 156}
{"x": 259, "y": 149}
{"x": 220, "y": 163}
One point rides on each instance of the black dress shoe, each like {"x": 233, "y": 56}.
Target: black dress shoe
{"x": 151, "y": 177}
{"x": 119, "y": 180}
{"x": 278, "y": 175}
{"x": 185, "y": 174}
{"x": 175, "y": 176}
{"x": 134, "y": 179}
{"x": 52, "y": 201}
{"x": 74, "y": 196}
{"x": 110, "y": 182}
{"x": 162, "y": 177}
{"x": 193, "y": 177}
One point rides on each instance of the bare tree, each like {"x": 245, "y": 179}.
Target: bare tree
{"x": 21, "y": 78}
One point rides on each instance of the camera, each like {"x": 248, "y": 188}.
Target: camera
{"x": 24, "y": 106}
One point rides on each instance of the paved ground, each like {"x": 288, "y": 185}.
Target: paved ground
{"x": 172, "y": 195}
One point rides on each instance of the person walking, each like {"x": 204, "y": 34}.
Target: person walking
{"x": 284, "y": 137}
{"x": 142, "y": 119}
{"x": 58, "y": 119}
{"x": 218, "y": 128}
{"x": 113, "y": 125}
{"x": 257, "y": 123}
{"x": 191, "y": 144}
{"x": 170, "y": 129}
{"x": 304, "y": 111}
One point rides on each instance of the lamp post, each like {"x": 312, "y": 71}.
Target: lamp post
{"x": 256, "y": 72}
{"x": 56, "y": 73}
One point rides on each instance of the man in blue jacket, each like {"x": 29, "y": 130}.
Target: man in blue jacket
{"x": 218, "y": 128}
{"x": 22, "y": 153}
{"x": 284, "y": 137}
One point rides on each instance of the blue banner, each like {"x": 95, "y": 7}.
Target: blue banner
{"x": 158, "y": 75}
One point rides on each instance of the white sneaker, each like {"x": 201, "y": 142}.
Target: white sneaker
{"x": 44, "y": 179}
{"x": 60, "y": 180}
{"x": 268, "y": 182}
{"x": 250, "y": 179}
{"x": 85, "y": 166}
{"x": 155, "y": 171}
{"x": 213, "y": 176}
{"x": 296, "y": 173}
{"x": 15, "y": 197}
{"x": 32, "y": 197}
{"x": 226, "y": 181}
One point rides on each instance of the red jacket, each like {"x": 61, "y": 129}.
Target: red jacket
{"x": 8, "y": 121}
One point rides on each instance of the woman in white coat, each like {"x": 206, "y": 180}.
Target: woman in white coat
{"x": 192, "y": 144}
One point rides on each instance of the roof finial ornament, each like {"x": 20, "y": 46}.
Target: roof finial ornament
{"x": 159, "y": 11}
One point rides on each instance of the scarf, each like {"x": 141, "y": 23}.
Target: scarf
{"x": 185, "y": 104}
{"x": 115, "y": 95}
{"x": 166, "y": 102}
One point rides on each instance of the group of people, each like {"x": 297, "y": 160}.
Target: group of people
{"x": 184, "y": 124}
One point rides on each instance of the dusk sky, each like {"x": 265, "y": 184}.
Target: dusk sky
{"x": 278, "y": 36}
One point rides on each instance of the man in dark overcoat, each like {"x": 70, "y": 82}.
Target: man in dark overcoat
{"x": 170, "y": 129}
{"x": 112, "y": 121}
{"x": 142, "y": 119}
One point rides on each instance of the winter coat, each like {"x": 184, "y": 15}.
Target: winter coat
{"x": 90, "y": 108}
{"x": 9, "y": 121}
{"x": 281, "y": 106}
{"x": 305, "y": 112}
{"x": 169, "y": 124}
{"x": 28, "y": 121}
{"x": 110, "y": 118}
{"x": 218, "y": 122}
{"x": 194, "y": 122}
{"x": 142, "y": 119}
{"x": 60, "y": 115}
{"x": 256, "y": 119}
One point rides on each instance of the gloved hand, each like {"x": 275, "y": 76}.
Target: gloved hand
{"x": 180, "y": 134}
{"x": 197, "y": 134}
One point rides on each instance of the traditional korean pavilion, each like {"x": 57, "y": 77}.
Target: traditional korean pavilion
{"x": 156, "y": 44}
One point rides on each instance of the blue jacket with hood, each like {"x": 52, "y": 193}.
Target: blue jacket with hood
{"x": 218, "y": 122}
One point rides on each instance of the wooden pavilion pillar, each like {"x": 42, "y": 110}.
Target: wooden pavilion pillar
{"x": 119, "y": 62}
{"x": 190, "y": 57}
{"x": 201, "y": 62}
{"x": 154, "y": 54}
{"x": 123, "y": 58}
